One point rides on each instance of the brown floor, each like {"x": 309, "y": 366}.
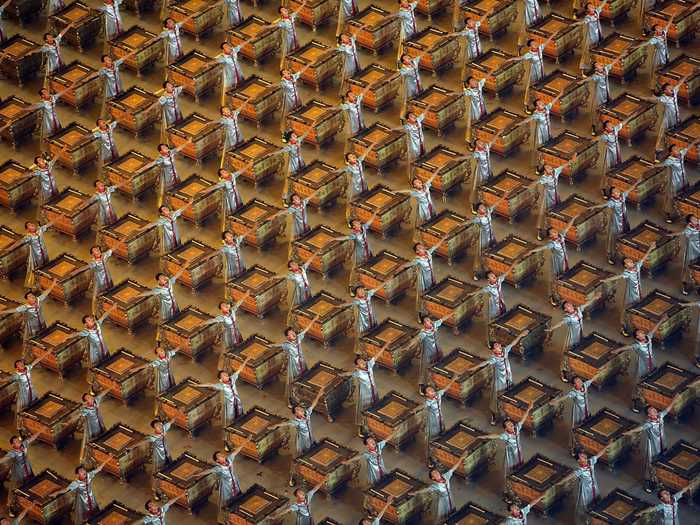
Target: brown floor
{"x": 347, "y": 507}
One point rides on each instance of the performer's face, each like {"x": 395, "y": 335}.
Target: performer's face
{"x": 82, "y": 475}
{"x": 615, "y": 193}
{"x": 430, "y": 392}
{"x": 665, "y": 496}
{"x": 224, "y": 377}
{"x": 582, "y": 460}
{"x": 371, "y": 444}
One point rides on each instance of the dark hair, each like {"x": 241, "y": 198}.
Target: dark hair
{"x": 159, "y": 275}
{"x": 415, "y": 245}
{"x": 223, "y": 234}
{"x": 530, "y": 42}
{"x": 162, "y": 207}
{"x": 550, "y": 230}
{"x": 287, "y": 330}
{"x": 27, "y": 223}
{"x": 102, "y": 57}
{"x": 166, "y": 83}
{"x": 27, "y": 294}
{"x": 161, "y": 146}
{"x": 221, "y": 46}
{"x": 154, "y": 421}
{"x": 13, "y": 439}
{"x": 505, "y": 421}
{"x": 688, "y": 217}
{"x": 78, "y": 468}
{"x": 357, "y": 288}
{"x": 84, "y": 396}
{"x": 357, "y": 359}
{"x": 287, "y": 135}
{"x": 365, "y": 439}
{"x": 218, "y": 374}
{"x": 470, "y": 77}
{"x": 662, "y": 489}
{"x": 147, "y": 505}
{"x": 220, "y": 171}
{"x": 85, "y": 317}
{"x": 18, "y": 361}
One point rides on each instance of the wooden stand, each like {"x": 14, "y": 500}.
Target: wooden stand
{"x": 130, "y": 238}
{"x": 266, "y": 290}
{"x": 325, "y": 182}
{"x": 127, "y": 173}
{"x": 188, "y": 331}
{"x": 21, "y": 59}
{"x": 469, "y": 383}
{"x": 265, "y": 364}
{"x": 264, "y": 40}
{"x": 391, "y": 209}
{"x": 587, "y": 224}
{"x": 540, "y": 477}
{"x": 319, "y": 61}
{"x": 440, "y": 51}
{"x": 116, "y": 374}
{"x": 619, "y": 507}
{"x": 684, "y": 135}
{"x": 678, "y": 68}
{"x": 582, "y": 283}
{"x": 642, "y": 113}
{"x": 452, "y": 171}
{"x": 402, "y": 348}
{"x": 393, "y": 414}
{"x": 135, "y": 110}
{"x": 11, "y": 259}
{"x": 374, "y": 28}
{"x": 74, "y": 146}
{"x": 593, "y": 356}
{"x": 330, "y": 253}
{"x": 254, "y": 506}
{"x": 190, "y": 405}
{"x": 632, "y": 170}
{"x": 35, "y": 495}
{"x": 505, "y": 328}
{"x": 202, "y": 135}
{"x": 385, "y": 86}
{"x": 73, "y": 276}
{"x": 257, "y": 215}
{"x": 560, "y": 151}
{"x": 454, "y": 297}
{"x": 263, "y": 154}
{"x": 501, "y": 13}
{"x": 181, "y": 476}
{"x": 320, "y": 122}
{"x": 51, "y": 416}
{"x": 602, "y": 429}
{"x": 136, "y": 38}
{"x": 518, "y": 251}
{"x": 65, "y": 350}
{"x": 678, "y": 467}
{"x": 196, "y": 72}
{"x": 568, "y": 36}
{"x": 116, "y": 512}
{"x": 258, "y": 98}
{"x": 336, "y": 389}
{"x": 201, "y": 263}
{"x": 451, "y": 445}
{"x": 131, "y": 310}
{"x": 80, "y": 92}
{"x": 197, "y": 17}
{"x": 87, "y": 23}
{"x": 521, "y": 195}
{"x": 501, "y": 128}
{"x": 405, "y": 507}
{"x": 514, "y": 402}
{"x": 385, "y": 269}
{"x": 127, "y": 450}
{"x": 441, "y": 107}
{"x": 252, "y": 430}
{"x": 667, "y": 383}
{"x": 325, "y": 462}
{"x": 389, "y": 145}
{"x": 638, "y": 240}
{"x": 502, "y": 75}
{"x": 617, "y": 45}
